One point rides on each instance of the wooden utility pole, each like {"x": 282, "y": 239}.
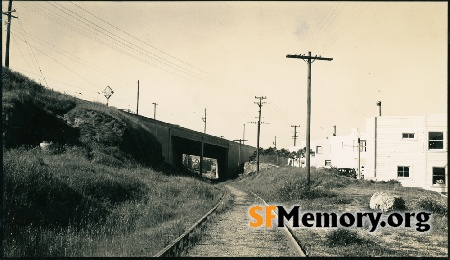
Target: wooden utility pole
{"x": 309, "y": 59}
{"x": 202, "y": 146}
{"x": 240, "y": 143}
{"x": 359, "y": 158}
{"x": 243, "y": 136}
{"x": 154, "y": 110}
{"x": 260, "y": 103}
{"x": 204, "y": 120}
{"x": 295, "y": 133}
{"x": 137, "y": 106}
{"x": 8, "y": 31}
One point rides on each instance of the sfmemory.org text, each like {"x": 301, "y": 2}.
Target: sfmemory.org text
{"x": 261, "y": 214}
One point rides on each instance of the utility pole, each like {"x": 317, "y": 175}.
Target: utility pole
{"x": 203, "y": 145}
{"x": 309, "y": 59}
{"x": 137, "y": 106}
{"x": 260, "y": 103}
{"x": 243, "y": 136}
{"x": 359, "y": 158}
{"x": 154, "y": 110}
{"x": 295, "y": 133}
{"x": 8, "y": 31}
{"x": 204, "y": 120}
{"x": 240, "y": 143}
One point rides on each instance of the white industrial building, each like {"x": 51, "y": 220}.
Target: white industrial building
{"x": 410, "y": 149}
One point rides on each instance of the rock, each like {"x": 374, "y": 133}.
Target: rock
{"x": 386, "y": 202}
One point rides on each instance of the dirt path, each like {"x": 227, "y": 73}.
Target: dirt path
{"x": 229, "y": 233}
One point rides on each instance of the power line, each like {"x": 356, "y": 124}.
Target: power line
{"x": 87, "y": 32}
{"x": 323, "y": 20}
{"x": 60, "y": 64}
{"x": 75, "y": 58}
{"x": 344, "y": 27}
{"x": 147, "y": 44}
{"x": 320, "y": 31}
{"x": 158, "y": 59}
{"x": 33, "y": 55}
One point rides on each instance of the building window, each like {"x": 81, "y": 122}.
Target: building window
{"x": 438, "y": 175}
{"x": 408, "y": 135}
{"x": 435, "y": 140}
{"x": 403, "y": 171}
{"x": 318, "y": 149}
{"x": 327, "y": 162}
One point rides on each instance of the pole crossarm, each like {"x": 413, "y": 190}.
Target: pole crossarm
{"x": 301, "y": 56}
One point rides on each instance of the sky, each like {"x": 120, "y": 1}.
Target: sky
{"x": 220, "y": 56}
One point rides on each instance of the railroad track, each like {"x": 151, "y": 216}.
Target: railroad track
{"x": 229, "y": 233}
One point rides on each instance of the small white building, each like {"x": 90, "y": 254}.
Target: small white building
{"x": 337, "y": 151}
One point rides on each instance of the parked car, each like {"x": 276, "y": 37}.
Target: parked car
{"x": 349, "y": 172}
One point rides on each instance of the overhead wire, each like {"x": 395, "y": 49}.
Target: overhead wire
{"x": 345, "y": 27}
{"x": 322, "y": 21}
{"x": 138, "y": 49}
{"x": 83, "y": 32}
{"x": 147, "y": 44}
{"x": 32, "y": 53}
{"x": 93, "y": 37}
{"x": 45, "y": 54}
{"x": 75, "y": 58}
{"x": 321, "y": 25}
{"x": 20, "y": 50}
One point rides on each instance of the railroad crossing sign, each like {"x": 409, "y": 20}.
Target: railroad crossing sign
{"x": 108, "y": 93}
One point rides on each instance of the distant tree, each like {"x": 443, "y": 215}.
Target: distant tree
{"x": 284, "y": 153}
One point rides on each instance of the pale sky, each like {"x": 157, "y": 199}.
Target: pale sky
{"x": 189, "y": 56}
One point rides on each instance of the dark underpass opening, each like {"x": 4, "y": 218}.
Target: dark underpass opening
{"x": 210, "y": 167}
{"x": 187, "y": 153}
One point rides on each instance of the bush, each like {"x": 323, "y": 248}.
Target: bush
{"x": 299, "y": 190}
{"x": 431, "y": 205}
{"x": 343, "y": 237}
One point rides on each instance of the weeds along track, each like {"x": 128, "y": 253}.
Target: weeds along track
{"x": 288, "y": 232}
{"x": 229, "y": 233}
{"x": 191, "y": 235}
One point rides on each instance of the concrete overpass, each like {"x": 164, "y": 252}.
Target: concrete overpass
{"x": 176, "y": 141}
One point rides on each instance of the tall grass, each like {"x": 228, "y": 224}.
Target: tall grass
{"x": 62, "y": 204}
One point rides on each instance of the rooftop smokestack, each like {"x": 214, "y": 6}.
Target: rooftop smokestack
{"x": 379, "y": 108}
{"x": 334, "y": 130}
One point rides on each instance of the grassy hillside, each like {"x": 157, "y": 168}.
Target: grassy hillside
{"x": 32, "y": 114}
{"x": 331, "y": 192}
{"x": 103, "y": 191}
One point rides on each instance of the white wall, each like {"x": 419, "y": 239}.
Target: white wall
{"x": 387, "y": 149}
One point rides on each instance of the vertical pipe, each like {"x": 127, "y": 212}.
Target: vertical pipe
{"x": 379, "y": 108}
